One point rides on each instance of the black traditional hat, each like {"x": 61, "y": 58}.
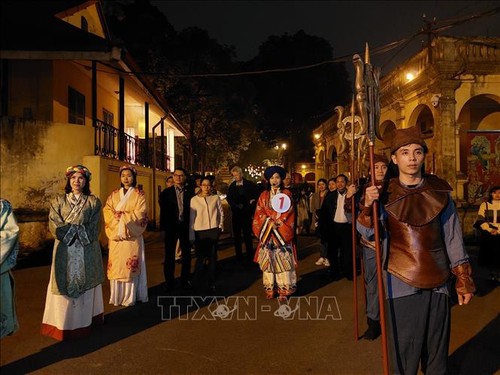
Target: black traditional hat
{"x": 268, "y": 173}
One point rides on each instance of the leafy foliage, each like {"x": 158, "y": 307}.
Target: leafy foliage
{"x": 290, "y": 104}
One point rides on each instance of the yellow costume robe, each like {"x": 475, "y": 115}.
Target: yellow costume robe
{"x": 126, "y": 262}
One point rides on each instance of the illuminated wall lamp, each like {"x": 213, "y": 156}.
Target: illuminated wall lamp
{"x": 410, "y": 76}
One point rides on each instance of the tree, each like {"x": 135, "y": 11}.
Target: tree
{"x": 290, "y": 104}
{"x": 217, "y": 111}
{"x": 141, "y": 27}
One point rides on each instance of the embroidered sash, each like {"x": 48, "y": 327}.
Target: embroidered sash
{"x": 122, "y": 234}
{"x": 76, "y": 238}
{"x": 75, "y": 229}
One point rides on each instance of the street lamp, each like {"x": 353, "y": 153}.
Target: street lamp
{"x": 281, "y": 149}
{"x": 410, "y": 76}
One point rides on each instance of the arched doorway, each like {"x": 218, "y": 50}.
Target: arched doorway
{"x": 423, "y": 118}
{"x": 296, "y": 178}
{"x": 387, "y": 129}
{"x": 332, "y": 168}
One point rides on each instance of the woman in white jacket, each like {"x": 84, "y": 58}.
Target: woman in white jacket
{"x": 206, "y": 223}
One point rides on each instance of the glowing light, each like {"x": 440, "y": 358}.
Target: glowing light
{"x": 316, "y": 136}
{"x": 410, "y": 76}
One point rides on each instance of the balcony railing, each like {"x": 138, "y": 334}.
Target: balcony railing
{"x": 107, "y": 140}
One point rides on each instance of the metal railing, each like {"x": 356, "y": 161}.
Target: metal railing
{"x": 105, "y": 140}
{"x": 107, "y": 143}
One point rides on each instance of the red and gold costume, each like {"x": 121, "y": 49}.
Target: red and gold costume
{"x": 276, "y": 253}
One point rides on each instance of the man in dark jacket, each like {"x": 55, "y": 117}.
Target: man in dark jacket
{"x": 242, "y": 197}
{"x": 336, "y": 227}
{"x": 174, "y": 224}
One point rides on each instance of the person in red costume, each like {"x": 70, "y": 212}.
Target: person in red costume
{"x": 422, "y": 241}
{"x": 274, "y": 225}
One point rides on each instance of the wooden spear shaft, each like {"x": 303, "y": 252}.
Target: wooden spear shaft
{"x": 380, "y": 285}
{"x": 353, "y": 226}
{"x": 370, "y": 83}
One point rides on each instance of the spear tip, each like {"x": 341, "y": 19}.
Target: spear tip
{"x": 367, "y": 53}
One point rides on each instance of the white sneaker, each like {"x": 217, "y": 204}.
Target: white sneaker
{"x": 326, "y": 263}
{"x": 320, "y": 261}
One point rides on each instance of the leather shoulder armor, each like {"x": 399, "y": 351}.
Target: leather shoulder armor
{"x": 417, "y": 206}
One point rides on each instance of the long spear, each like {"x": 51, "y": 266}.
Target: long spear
{"x": 353, "y": 226}
{"x": 367, "y": 87}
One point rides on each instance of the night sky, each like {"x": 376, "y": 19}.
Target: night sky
{"x": 347, "y": 25}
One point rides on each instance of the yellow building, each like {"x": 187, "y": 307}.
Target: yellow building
{"x": 69, "y": 96}
{"x": 451, "y": 90}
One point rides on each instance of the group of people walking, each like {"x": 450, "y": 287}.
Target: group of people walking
{"x": 421, "y": 245}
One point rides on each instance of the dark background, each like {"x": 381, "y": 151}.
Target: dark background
{"x": 347, "y": 25}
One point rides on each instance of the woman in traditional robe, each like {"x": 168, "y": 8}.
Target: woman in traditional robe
{"x": 125, "y": 218}
{"x": 9, "y": 232}
{"x": 74, "y": 294}
{"x": 274, "y": 226}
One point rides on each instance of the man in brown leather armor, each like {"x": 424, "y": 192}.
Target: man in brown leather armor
{"x": 422, "y": 242}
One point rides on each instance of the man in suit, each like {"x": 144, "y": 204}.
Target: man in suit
{"x": 174, "y": 224}
{"x": 242, "y": 198}
{"x": 337, "y": 228}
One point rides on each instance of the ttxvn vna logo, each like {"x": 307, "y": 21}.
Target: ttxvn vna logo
{"x": 247, "y": 308}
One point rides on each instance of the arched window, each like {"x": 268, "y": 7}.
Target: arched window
{"x": 423, "y": 118}
{"x": 85, "y": 24}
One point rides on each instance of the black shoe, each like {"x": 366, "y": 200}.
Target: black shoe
{"x": 373, "y": 330}
{"x": 167, "y": 288}
{"x": 334, "y": 274}
{"x": 211, "y": 287}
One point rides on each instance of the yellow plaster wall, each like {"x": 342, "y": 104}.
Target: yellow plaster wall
{"x": 490, "y": 122}
{"x": 34, "y": 158}
{"x": 30, "y": 88}
{"x": 476, "y": 85}
{"x": 92, "y": 17}
{"x": 74, "y": 75}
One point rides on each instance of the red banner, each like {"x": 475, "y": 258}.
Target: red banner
{"x": 483, "y": 164}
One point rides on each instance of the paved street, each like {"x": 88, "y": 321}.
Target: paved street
{"x": 239, "y": 332}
